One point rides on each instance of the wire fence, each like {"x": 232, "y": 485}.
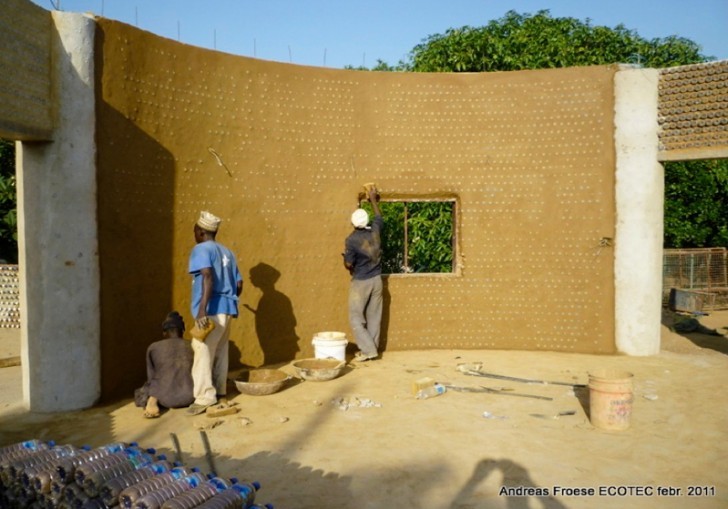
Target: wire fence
{"x": 697, "y": 277}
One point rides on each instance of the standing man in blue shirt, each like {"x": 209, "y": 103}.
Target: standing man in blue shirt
{"x": 216, "y": 286}
{"x": 363, "y": 260}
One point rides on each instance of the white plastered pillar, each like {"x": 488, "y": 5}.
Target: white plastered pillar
{"x": 639, "y": 203}
{"x": 58, "y": 248}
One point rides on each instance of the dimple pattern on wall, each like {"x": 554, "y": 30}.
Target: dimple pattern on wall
{"x": 25, "y": 82}
{"x": 280, "y": 153}
{"x": 693, "y": 111}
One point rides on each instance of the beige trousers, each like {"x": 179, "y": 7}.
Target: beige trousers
{"x": 210, "y": 364}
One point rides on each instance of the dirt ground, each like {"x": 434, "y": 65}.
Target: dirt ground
{"x": 309, "y": 449}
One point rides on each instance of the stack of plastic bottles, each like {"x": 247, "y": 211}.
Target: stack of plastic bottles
{"x": 43, "y": 475}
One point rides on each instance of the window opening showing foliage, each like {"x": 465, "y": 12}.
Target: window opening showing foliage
{"x": 696, "y": 204}
{"x": 8, "y": 218}
{"x": 418, "y": 236}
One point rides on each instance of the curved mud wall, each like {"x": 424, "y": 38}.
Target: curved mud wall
{"x": 280, "y": 153}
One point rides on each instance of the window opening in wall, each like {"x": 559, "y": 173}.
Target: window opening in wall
{"x": 8, "y": 201}
{"x": 418, "y": 237}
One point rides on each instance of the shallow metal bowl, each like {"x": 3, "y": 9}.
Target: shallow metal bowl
{"x": 261, "y": 382}
{"x": 318, "y": 370}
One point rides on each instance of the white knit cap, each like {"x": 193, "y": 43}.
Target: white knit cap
{"x": 208, "y": 221}
{"x": 360, "y": 218}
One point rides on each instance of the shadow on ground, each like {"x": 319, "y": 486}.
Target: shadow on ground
{"x": 698, "y": 329}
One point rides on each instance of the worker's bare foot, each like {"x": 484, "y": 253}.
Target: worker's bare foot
{"x": 151, "y": 411}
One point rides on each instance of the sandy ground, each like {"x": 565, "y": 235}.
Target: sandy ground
{"x": 309, "y": 452}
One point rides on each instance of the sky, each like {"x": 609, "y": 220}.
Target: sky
{"x": 337, "y": 33}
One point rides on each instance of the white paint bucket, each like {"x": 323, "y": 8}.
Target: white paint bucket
{"x": 330, "y": 335}
{"x": 325, "y": 348}
{"x": 610, "y": 399}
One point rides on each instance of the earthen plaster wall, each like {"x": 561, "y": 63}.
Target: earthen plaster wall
{"x": 280, "y": 152}
{"x": 25, "y": 78}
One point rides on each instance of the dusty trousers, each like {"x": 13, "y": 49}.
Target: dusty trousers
{"x": 365, "y": 313}
{"x": 210, "y": 365}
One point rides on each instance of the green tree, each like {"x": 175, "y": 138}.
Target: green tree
{"x": 523, "y": 41}
{"x": 417, "y": 236}
{"x": 8, "y": 199}
{"x": 696, "y": 204}
{"x": 381, "y": 66}
{"x": 430, "y": 235}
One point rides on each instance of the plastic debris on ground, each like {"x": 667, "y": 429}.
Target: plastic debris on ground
{"x": 354, "y": 402}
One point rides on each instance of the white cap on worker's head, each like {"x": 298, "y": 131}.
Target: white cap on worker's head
{"x": 360, "y": 218}
{"x": 208, "y": 221}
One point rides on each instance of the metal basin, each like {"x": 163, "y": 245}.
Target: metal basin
{"x": 318, "y": 370}
{"x": 261, "y": 382}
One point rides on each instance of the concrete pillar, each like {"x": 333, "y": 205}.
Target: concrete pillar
{"x": 59, "y": 266}
{"x": 639, "y": 202}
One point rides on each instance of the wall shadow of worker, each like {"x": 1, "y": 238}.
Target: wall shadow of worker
{"x": 275, "y": 322}
{"x": 514, "y": 476}
{"x": 235, "y": 355}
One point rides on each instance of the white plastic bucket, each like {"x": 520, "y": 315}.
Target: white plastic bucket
{"x": 610, "y": 399}
{"x": 330, "y": 335}
{"x": 325, "y": 348}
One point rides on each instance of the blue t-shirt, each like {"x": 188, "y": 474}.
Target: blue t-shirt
{"x": 221, "y": 261}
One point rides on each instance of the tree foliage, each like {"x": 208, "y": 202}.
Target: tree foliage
{"x": 8, "y": 216}
{"x": 696, "y": 204}
{"x": 523, "y": 41}
{"x": 430, "y": 233}
{"x": 428, "y": 237}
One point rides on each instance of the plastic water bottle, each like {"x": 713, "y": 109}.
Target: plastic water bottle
{"x": 16, "y": 470}
{"x": 133, "y": 459}
{"x": 94, "y": 483}
{"x": 26, "y": 446}
{"x": 130, "y": 495}
{"x": 133, "y": 454}
{"x": 155, "y": 499}
{"x": 198, "y": 495}
{"x": 73, "y": 495}
{"x": 430, "y": 392}
{"x": 94, "y": 503}
{"x": 237, "y": 496}
{"x": 38, "y": 477}
{"x": 112, "y": 488}
{"x": 18, "y": 451}
{"x": 67, "y": 469}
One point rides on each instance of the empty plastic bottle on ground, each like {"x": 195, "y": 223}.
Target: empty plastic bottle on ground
{"x": 430, "y": 392}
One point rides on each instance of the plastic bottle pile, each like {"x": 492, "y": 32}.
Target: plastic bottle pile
{"x": 43, "y": 475}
